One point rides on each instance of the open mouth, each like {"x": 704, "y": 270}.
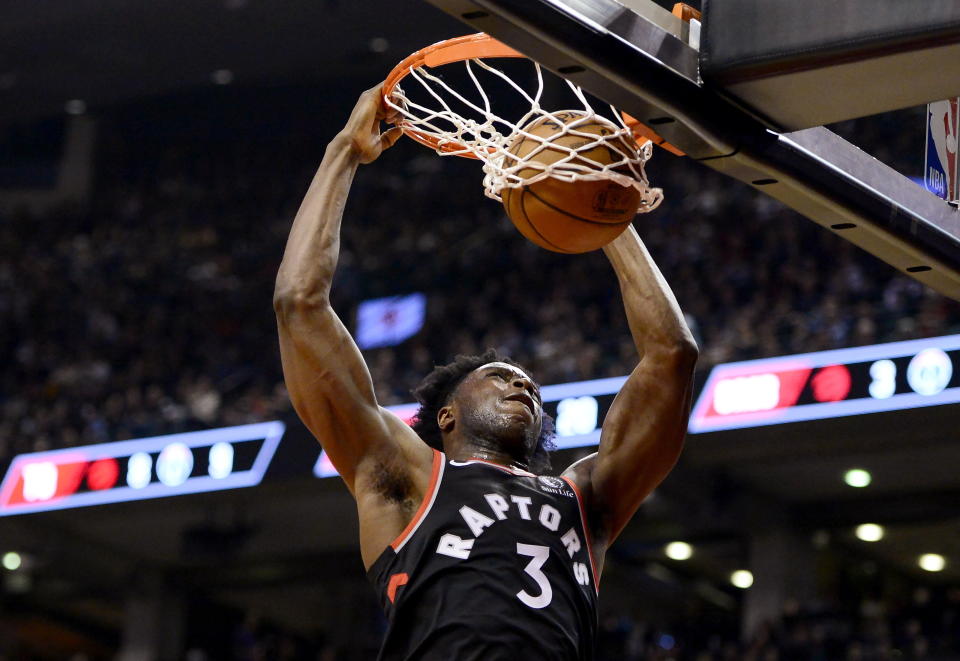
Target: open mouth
{"x": 526, "y": 400}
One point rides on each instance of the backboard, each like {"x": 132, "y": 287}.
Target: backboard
{"x": 726, "y": 100}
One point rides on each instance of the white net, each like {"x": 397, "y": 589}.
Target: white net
{"x": 513, "y": 155}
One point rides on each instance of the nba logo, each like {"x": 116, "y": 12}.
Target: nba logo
{"x": 940, "y": 173}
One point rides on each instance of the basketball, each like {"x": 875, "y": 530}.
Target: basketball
{"x": 565, "y": 216}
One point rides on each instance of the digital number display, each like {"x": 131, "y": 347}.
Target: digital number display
{"x": 829, "y": 384}
{"x": 211, "y": 460}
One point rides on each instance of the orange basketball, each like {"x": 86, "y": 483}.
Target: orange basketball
{"x": 563, "y": 216}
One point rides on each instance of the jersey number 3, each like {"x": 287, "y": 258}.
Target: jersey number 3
{"x": 538, "y": 556}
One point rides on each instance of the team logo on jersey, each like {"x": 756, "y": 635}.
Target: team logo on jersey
{"x": 554, "y": 485}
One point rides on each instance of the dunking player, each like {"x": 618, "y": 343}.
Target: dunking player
{"x": 473, "y": 555}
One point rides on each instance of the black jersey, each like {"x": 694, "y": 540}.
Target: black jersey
{"x": 496, "y": 565}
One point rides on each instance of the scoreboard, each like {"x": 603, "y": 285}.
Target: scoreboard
{"x": 193, "y": 462}
{"x": 754, "y": 393}
{"x": 829, "y": 384}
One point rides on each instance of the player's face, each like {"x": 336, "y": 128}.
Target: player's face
{"x": 500, "y": 401}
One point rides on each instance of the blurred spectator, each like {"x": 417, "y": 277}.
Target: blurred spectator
{"x": 150, "y": 311}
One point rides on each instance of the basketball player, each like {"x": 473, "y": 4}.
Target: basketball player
{"x": 473, "y": 555}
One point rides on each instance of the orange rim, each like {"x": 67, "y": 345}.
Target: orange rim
{"x": 458, "y": 49}
{"x": 472, "y": 46}
{"x": 641, "y": 130}
{"x": 685, "y": 12}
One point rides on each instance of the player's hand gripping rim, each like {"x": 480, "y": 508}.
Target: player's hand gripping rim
{"x": 363, "y": 128}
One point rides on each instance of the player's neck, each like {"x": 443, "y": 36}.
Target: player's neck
{"x": 474, "y": 452}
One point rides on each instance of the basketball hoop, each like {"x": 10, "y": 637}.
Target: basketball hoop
{"x": 475, "y": 130}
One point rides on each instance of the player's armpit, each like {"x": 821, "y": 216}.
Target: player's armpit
{"x": 333, "y": 393}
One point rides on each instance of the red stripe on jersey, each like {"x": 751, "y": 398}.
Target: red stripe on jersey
{"x": 586, "y": 532}
{"x": 395, "y": 582}
{"x": 428, "y": 499}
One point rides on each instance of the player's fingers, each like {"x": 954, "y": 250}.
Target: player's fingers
{"x": 384, "y": 111}
{"x": 390, "y": 137}
{"x": 391, "y": 115}
{"x": 388, "y": 114}
{"x": 368, "y": 106}
{"x": 376, "y": 91}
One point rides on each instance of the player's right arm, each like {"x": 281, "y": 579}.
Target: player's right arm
{"x": 324, "y": 371}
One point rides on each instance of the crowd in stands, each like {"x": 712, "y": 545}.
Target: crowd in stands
{"x": 149, "y": 309}
{"x": 923, "y": 625}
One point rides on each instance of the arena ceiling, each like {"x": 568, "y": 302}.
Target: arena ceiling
{"x": 105, "y": 51}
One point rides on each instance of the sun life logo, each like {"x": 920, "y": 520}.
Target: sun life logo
{"x": 554, "y": 485}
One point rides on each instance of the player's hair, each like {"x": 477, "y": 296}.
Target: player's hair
{"x": 438, "y": 386}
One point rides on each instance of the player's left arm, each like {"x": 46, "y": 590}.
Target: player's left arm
{"x": 644, "y": 429}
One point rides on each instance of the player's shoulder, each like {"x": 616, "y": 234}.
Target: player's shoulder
{"x": 580, "y": 472}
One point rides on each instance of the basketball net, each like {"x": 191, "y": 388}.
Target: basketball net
{"x": 475, "y": 130}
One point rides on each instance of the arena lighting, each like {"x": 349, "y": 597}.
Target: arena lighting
{"x": 869, "y": 532}
{"x": 829, "y": 384}
{"x": 678, "y": 551}
{"x": 192, "y": 462}
{"x": 12, "y": 561}
{"x": 857, "y": 478}
{"x": 932, "y": 562}
{"x": 75, "y": 107}
{"x": 222, "y": 77}
{"x": 820, "y": 539}
{"x": 742, "y": 579}
{"x": 378, "y": 45}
